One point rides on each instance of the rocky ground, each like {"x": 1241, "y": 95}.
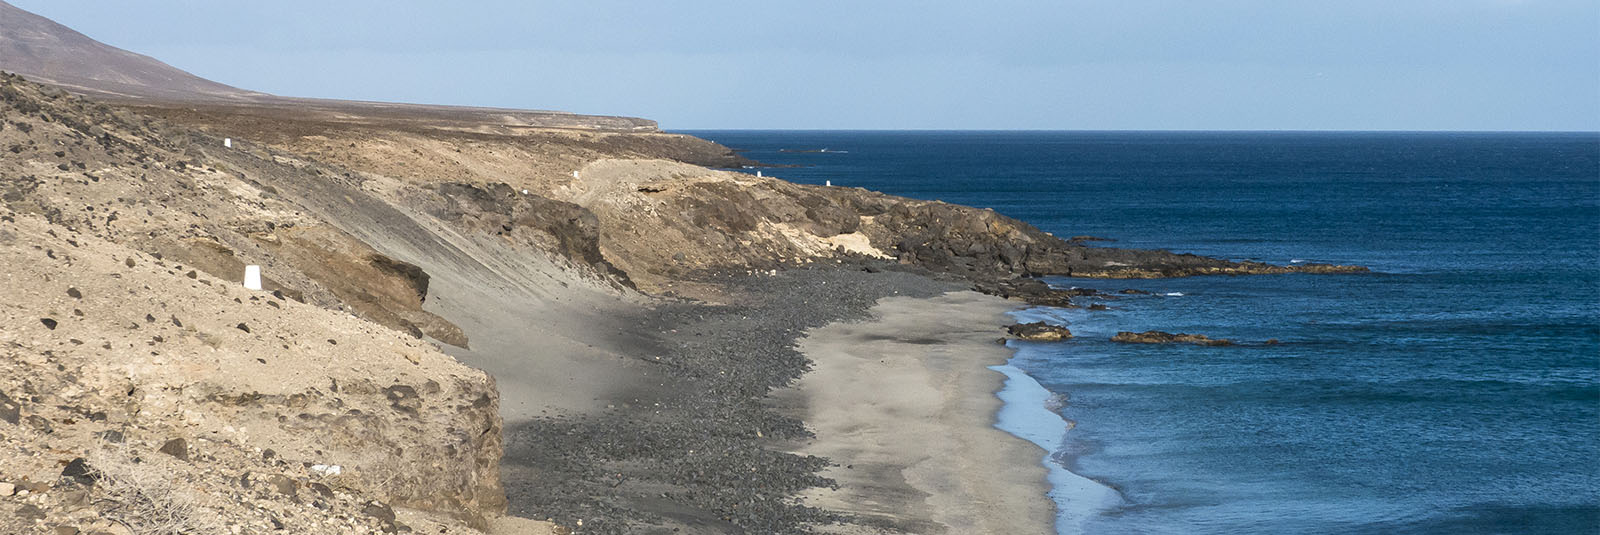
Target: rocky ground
{"x": 134, "y": 384}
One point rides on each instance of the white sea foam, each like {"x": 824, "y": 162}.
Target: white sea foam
{"x": 1296, "y": 261}
{"x": 1174, "y": 294}
{"x": 1025, "y": 414}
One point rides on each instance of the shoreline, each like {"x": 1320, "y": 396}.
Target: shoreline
{"x": 905, "y": 405}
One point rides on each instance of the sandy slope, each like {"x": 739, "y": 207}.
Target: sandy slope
{"x": 904, "y": 406}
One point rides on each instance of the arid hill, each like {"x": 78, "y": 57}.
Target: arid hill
{"x": 48, "y": 52}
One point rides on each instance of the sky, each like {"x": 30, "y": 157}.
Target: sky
{"x": 893, "y": 64}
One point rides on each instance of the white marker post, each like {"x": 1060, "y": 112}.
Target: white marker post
{"x": 827, "y": 182}
{"x": 252, "y": 277}
{"x": 758, "y": 174}
{"x": 227, "y": 142}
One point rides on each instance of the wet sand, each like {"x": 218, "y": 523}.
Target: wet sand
{"x": 904, "y": 406}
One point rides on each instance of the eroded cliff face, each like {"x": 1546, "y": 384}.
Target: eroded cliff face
{"x": 108, "y": 348}
{"x": 135, "y": 181}
{"x": 122, "y": 244}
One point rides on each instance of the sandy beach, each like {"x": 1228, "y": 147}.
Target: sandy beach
{"x": 903, "y": 404}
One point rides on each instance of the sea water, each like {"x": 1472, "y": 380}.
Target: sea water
{"x": 1453, "y": 390}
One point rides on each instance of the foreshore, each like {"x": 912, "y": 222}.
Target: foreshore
{"x": 904, "y": 406}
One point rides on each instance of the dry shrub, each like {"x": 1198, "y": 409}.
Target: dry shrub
{"x": 146, "y": 496}
{"x": 381, "y": 476}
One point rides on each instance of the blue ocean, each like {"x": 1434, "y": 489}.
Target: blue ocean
{"x": 1454, "y": 390}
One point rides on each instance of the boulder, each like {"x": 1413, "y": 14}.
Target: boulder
{"x": 1039, "y": 331}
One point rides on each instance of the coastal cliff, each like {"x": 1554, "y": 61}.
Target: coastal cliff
{"x": 466, "y": 312}
{"x": 463, "y": 237}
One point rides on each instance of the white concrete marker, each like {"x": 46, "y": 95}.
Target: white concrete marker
{"x": 252, "y": 277}
{"x": 227, "y": 142}
{"x": 758, "y": 174}
{"x": 574, "y": 174}
{"x": 827, "y": 182}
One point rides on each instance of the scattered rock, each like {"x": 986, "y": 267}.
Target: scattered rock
{"x": 282, "y": 484}
{"x": 48, "y": 323}
{"x": 177, "y": 447}
{"x": 79, "y": 472}
{"x": 1039, "y": 331}
{"x": 73, "y": 498}
{"x": 7, "y": 489}
{"x": 10, "y": 410}
{"x": 242, "y": 327}
{"x": 1158, "y": 337}
{"x": 403, "y": 398}
{"x": 74, "y": 293}
{"x": 29, "y": 512}
{"x": 39, "y": 423}
{"x": 383, "y": 513}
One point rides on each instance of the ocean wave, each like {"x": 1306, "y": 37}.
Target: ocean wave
{"x": 1056, "y": 402}
{"x": 1024, "y": 415}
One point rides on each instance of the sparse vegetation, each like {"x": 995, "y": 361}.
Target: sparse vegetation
{"x": 140, "y": 493}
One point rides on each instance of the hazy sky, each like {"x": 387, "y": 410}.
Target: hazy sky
{"x": 986, "y": 64}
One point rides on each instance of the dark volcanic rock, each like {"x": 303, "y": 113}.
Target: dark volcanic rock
{"x": 1158, "y": 337}
{"x": 10, "y": 410}
{"x": 79, "y": 472}
{"x": 960, "y": 239}
{"x": 1039, "y": 331}
{"x": 177, "y": 447}
{"x": 1031, "y": 291}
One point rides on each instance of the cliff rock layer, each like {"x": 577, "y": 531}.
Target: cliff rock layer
{"x": 111, "y": 351}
